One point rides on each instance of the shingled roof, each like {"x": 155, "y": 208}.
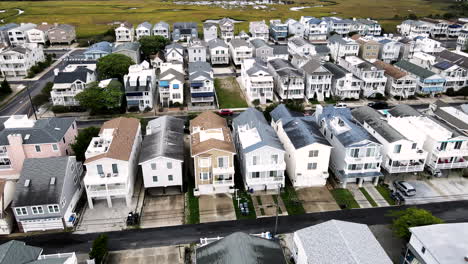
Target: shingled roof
{"x": 206, "y": 121}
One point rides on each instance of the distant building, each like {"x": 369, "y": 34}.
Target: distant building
{"x": 98, "y": 50}
{"x": 143, "y": 29}
{"x": 196, "y": 50}
{"x": 18, "y": 35}
{"x": 62, "y": 34}
{"x": 278, "y": 30}
{"x": 129, "y": 49}
{"x": 259, "y": 29}
{"x": 226, "y": 28}
{"x": 161, "y": 29}
{"x": 125, "y": 32}
{"x": 210, "y": 31}
{"x": 184, "y": 31}
{"x": 15, "y": 61}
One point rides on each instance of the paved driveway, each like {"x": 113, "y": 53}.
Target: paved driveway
{"x": 265, "y": 205}
{"x": 160, "y": 211}
{"x": 218, "y": 207}
{"x": 160, "y": 255}
{"x": 317, "y": 199}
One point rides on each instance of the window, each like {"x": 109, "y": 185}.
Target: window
{"x": 21, "y": 211}
{"x": 153, "y": 166}
{"x": 63, "y": 139}
{"x": 169, "y": 165}
{"x": 53, "y": 209}
{"x": 312, "y": 166}
{"x": 313, "y": 153}
{"x": 100, "y": 171}
{"x": 155, "y": 178}
{"x": 274, "y": 159}
{"x": 443, "y": 146}
{"x": 204, "y": 176}
{"x": 255, "y": 175}
{"x": 397, "y": 148}
{"x": 115, "y": 169}
{"x": 54, "y": 147}
{"x": 370, "y": 152}
{"x": 37, "y": 210}
{"x": 354, "y": 153}
{"x": 254, "y": 160}
{"x": 38, "y": 148}
{"x": 414, "y": 145}
{"x": 204, "y": 162}
{"x": 222, "y": 162}
{"x": 170, "y": 177}
{"x": 273, "y": 174}
{"x": 458, "y": 145}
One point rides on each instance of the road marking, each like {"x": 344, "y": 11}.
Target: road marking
{"x": 19, "y": 108}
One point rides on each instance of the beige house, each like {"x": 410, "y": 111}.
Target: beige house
{"x": 62, "y": 34}
{"x": 213, "y": 151}
{"x": 368, "y": 50}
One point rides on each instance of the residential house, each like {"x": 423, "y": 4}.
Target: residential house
{"x": 455, "y": 58}
{"x": 456, "y": 77}
{"x": 316, "y": 30}
{"x": 439, "y": 243}
{"x": 289, "y": 81}
{"x": 7, "y": 193}
{"x": 174, "y": 53}
{"x": 341, "y": 27}
{"x": 4, "y": 38}
{"x": 240, "y": 50}
{"x": 427, "y": 81}
{"x": 372, "y": 76}
{"x": 261, "y": 49}
{"x": 454, "y": 116}
{"x": 219, "y": 52}
{"x": 201, "y": 79}
{"x": 427, "y": 45}
{"x": 156, "y": 60}
{"x": 171, "y": 84}
{"x": 39, "y": 34}
{"x": 400, "y": 154}
{"x": 226, "y": 27}
{"x": 47, "y": 193}
{"x": 295, "y": 28}
{"x": 129, "y": 49}
{"x": 184, "y": 31}
{"x": 15, "y": 251}
{"x": 423, "y": 59}
{"x": 366, "y": 26}
{"x": 69, "y": 82}
{"x": 307, "y": 151}
{"x": 438, "y": 27}
{"x": 143, "y": 29}
{"x": 389, "y": 50}
{"x": 98, "y": 50}
{"x": 257, "y": 80}
{"x": 280, "y": 52}
{"x": 356, "y": 154}
{"x": 454, "y": 30}
{"x": 318, "y": 79}
{"x": 17, "y": 35}
{"x": 212, "y": 150}
{"x": 243, "y": 35}
{"x": 210, "y": 31}
{"x": 344, "y": 84}
{"x": 399, "y": 83}
{"x": 447, "y": 147}
{"x": 462, "y": 40}
{"x": 341, "y": 47}
{"x": 412, "y": 28}
{"x": 161, "y": 29}
{"x": 162, "y": 153}
{"x": 196, "y": 50}
{"x": 112, "y": 160}
{"x": 368, "y": 49}
{"x": 15, "y": 61}
{"x": 140, "y": 86}
{"x": 300, "y": 46}
{"x": 337, "y": 241}
{"x": 259, "y": 29}
{"x": 278, "y": 30}
{"x": 62, "y": 34}
{"x": 125, "y": 32}
{"x": 260, "y": 152}
{"x": 407, "y": 48}
{"x": 23, "y": 138}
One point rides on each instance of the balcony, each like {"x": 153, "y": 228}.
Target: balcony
{"x": 71, "y": 257}
{"x": 450, "y": 152}
{"x": 64, "y": 93}
{"x": 408, "y": 168}
{"x": 106, "y": 190}
{"x": 265, "y": 180}
{"x": 223, "y": 170}
{"x": 224, "y": 182}
{"x": 363, "y": 159}
{"x": 453, "y": 165}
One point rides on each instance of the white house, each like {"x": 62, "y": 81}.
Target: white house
{"x": 257, "y": 80}
{"x": 210, "y": 31}
{"x": 427, "y": 45}
{"x": 315, "y": 30}
{"x": 171, "y": 84}
{"x": 219, "y": 52}
{"x": 18, "y": 35}
{"x": 400, "y": 154}
{"x": 456, "y": 77}
{"x": 412, "y": 28}
{"x": 300, "y": 46}
{"x": 140, "y": 86}
{"x": 422, "y": 59}
{"x": 112, "y": 160}
{"x": 366, "y": 27}
{"x": 318, "y": 79}
{"x": 174, "y": 52}
{"x": 39, "y": 34}
{"x": 240, "y": 50}
{"x": 455, "y": 116}
{"x": 399, "y": 83}
{"x": 15, "y": 61}
{"x": 201, "y": 78}
{"x": 307, "y": 151}
{"x": 344, "y": 84}
{"x": 372, "y": 76}
{"x": 462, "y": 40}
{"x": 289, "y": 81}
{"x": 196, "y": 50}
{"x": 341, "y": 47}
{"x": 226, "y": 28}
{"x": 356, "y": 154}
{"x": 295, "y": 28}
{"x": 162, "y": 153}
{"x": 260, "y": 153}
{"x": 161, "y": 29}
{"x": 125, "y": 32}
{"x": 143, "y": 29}
{"x": 71, "y": 81}
{"x": 259, "y": 29}
{"x": 389, "y": 50}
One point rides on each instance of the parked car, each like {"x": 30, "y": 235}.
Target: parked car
{"x": 404, "y": 187}
{"x": 434, "y": 172}
{"x": 378, "y": 105}
{"x": 341, "y": 105}
{"x": 225, "y": 112}
{"x": 396, "y": 195}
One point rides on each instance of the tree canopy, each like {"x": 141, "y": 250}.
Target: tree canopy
{"x": 113, "y": 66}
{"x": 152, "y": 44}
{"x": 82, "y": 141}
{"x": 5, "y": 88}
{"x": 99, "y": 99}
{"x": 411, "y": 217}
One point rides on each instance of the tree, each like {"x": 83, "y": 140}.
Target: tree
{"x": 5, "y": 88}
{"x": 113, "y": 66}
{"x": 411, "y": 217}
{"x": 82, "y": 142}
{"x": 100, "y": 100}
{"x": 463, "y": 92}
{"x": 99, "y": 249}
{"x": 152, "y": 44}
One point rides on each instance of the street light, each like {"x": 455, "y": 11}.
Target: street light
{"x": 277, "y": 210}
{"x": 30, "y": 100}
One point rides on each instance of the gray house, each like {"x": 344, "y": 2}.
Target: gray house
{"x": 62, "y": 33}
{"x": 184, "y": 31}
{"x": 47, "y": 193}
{"x": 261, "y": 49}
{"x": 17, "y": 252}
{"x": 98, "y": 50}
{"x": 129, "y": 49}
{"x": 161, "y": 29}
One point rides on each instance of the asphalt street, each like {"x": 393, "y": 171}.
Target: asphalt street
{"x": 455, "y": 211}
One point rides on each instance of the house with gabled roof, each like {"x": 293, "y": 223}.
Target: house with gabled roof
{"x": 261, "y": 49}
{"x": 341, "y": 47}
{"x": 140, "y": 86}
{"x": 4, "y": 38}
{"x": 295, "y": 28}
{"x": 196, "y": 50}
{"x": 399, "y": 83}
{"x": 129, "y": 49}
{"x": 259, "y": 29}
{"x": 344, "y": 83}
{"x": 201, "y": 78}
{"x": 184, "y": 31}
{"x": 143, "y": 29}
{"x": 62, "y": 33}
{"x": 39, "y": 34}
{"x": 289, "y": 81}
{"x": 389, "y": 50}
{"x": 171, "y": 84}
{"x": 17, "y": 60}
{"x": 69, "y": 82}
{"x": 161, "y": 29}
{"x": 299, "y": 46}
{"x": 174, "y": 52}
{"x": 257, "y": 80}
{"x": 15, "y": 251}
{"x": 17, "y": 35}
{"x": 210, "y": 31}
{"x": 315, "y": 29}
{"x": 372, "y": 76}
{"x": 98, "y": 50}
{"x": 427, "y": 81}
{"x": 125, "y": 32}
{"x": 218, "y": 52}
{"x": 240, "y": 50}
{"x": 456, "y": 77}
{"x": 318, "y": 79}
{"x": 226, "y": 27}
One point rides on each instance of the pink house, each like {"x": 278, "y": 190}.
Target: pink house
{"x": 23, "y": 138}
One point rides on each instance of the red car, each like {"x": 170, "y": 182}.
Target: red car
{"x": 225, "y": 112}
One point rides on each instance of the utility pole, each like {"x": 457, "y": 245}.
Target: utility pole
{"x": 30, "y": 100}
{"x": 277, "y": 209}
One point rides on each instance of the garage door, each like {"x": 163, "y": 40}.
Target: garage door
{"x": 42, "y": 224}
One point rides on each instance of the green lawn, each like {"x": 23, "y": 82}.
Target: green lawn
{"x": 193, "y": 216}
{"x": 229, "y": 93}
{"x": 368, "y": 197}
{"x": 291, "y": 201}
{"x": 344, "y": 198}
{"x": 385, "y": 192}
{"x": 245, "y": 197}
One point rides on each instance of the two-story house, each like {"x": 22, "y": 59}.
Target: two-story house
{"x": 257, "y": 80}
{"x": 143, "y": 29}
{"x": 226, "y": 28}
{"x": 389, "y": 50}
{"x": 69, "y": 82}
{"x": 372, "y": 76}
{"x": 259, "y": 29}
{"x": 307, "y": 151}
{"x": 184, "y": 31}
{"x": 4, "y": 38}
{"x": 454, "y": 116}
{"x": 414, "y": 28}
{"x": 260, "y": 152}
{"x": 316, "y": 30}
{"x": 289, "y": 81}
{"x": 112, "y": 160}
{"x": 201, "y": 78}
{"x": 174, "y": 52}
{"x": 210, "y": 31}
{"x": 212, "y": 150}
{"x": 17, "y": 35}
{"x": 427, "y": 82}
{"x": 218, "y": 52}
{"x": 140, "y": 86}
{"x": 295, "y": 28}
{"x": 47, "y": 193}
{"x": 341, "y": 47}
{"x": 356, "y": 154}
{"x": 300, "y": 46}
{"x": 344, "y": 84}
{"x": 98, "y": 50}
{"x": 62, "y": 34}
{"x": 318, "y": 79}
{"x": 278, "y": 30}
{"x": 399, "y": 83}
{"x": 23, "y": 138}
{"x": 125, "y": 32}
{"x": 129, "y": 49}
{"x": 400, "y": 154}
{"x": 171, "y": 84}
{"x": 161, "y": 29}
{"x": 162, "y": 153}
{"x": 366, "y": 26}
{"x": 368, "y": 49}
{"x": 240, "y": 50}
{"x": 456, "y": 77}
{"x": 15, "y": 61}
{"x": 39, "y": 34}
{"x": 196, "y": 50}
{"x": 261, "y": 49}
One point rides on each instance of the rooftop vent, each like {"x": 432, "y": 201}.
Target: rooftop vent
{"x": 57, "y": 128}
{"x": 27, "y": 136}
{"x": 52, "y": 181}
{"x": 27, "y": 182}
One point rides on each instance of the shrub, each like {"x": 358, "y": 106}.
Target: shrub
{"x": 40, "y": 99}
{"x": 133, "y": 109}
{"x": 450, "y": 92}
{"x": 99, "y": 249}
{"x": 67, "y": 109}
{"x": 147, "y": 109}
{"x": 379, "y": 96}
{"x": 256, "y": 102}
{"x": 411, "y": 217}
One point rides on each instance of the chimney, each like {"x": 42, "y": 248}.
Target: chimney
{"x": 56, "y": 71}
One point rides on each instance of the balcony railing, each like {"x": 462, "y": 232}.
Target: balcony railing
{"x": 454, "y": 165}
{"x": 450, "y": 152}
{"x": 222, "y": 170}
{"x": 222, "y": 182}
{"x": 102, "y": 191}
{"x": 399, "y": 169}
{"x": 265, "y": 179}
